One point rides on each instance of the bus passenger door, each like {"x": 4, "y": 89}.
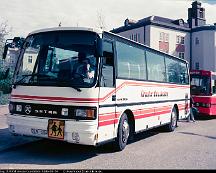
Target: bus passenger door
{"x": 106, "y": 94}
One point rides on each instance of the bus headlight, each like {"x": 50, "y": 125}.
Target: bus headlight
{"x": 196, "y": 104}
{"x": 19, "y": 108}
{"x": 85, "y": 113}
{"x": 207, "y": 105}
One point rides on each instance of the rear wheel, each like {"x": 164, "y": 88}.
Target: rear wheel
{"x": 173, "y": 122}
{"x": 123, "y": 133}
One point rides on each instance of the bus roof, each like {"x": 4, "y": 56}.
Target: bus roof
{"x": 96, "y": 30}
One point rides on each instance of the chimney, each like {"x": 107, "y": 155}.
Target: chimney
{"x": 129, "y": 22}
{"x": 196, "y": 15}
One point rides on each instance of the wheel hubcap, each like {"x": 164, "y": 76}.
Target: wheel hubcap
{"x": 125, "y": 131}
{"x": 174, "y": 118}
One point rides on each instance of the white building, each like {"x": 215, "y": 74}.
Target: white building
{"x": 29, "y": 60}
{"x": 192, "y": 40}
{"x": 11, "y": 59}
{"x": 204, "y": 48}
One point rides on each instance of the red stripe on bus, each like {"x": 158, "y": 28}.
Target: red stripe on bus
{"x": 136, "y": 116}
{"x": 54, "y": 98}
{"x": 105, "y": 123}
{"x": 107, "y": 117}
{"x": 92, "y": 100}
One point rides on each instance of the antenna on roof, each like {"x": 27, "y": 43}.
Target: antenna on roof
{"x": 60, "y": 24}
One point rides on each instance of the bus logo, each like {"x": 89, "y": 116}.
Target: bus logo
{"x": 27, "y": 109}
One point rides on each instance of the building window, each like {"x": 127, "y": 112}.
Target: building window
{"x": 197, "y": 66}
{"x": 29, "y": 59}
{"x": 197, "y": 40}
{"x": 201, "y": 14}
{"x": 139, "y": 38}
{"x": 181, "y": 55}
{"x": 164, "y": 37}
{"x": 180, "y": 39}
{"x": 135, "y": 37}
{"x": 161, "y": 36}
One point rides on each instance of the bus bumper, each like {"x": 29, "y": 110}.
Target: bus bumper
{"x": 206, "y": 111}
{"x": 83, "y": 132}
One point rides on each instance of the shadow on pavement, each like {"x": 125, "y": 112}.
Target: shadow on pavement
{"x": 195, "y": 134}
{"x": 7, "y": 140}
{"x": 204, "y": 117}
{"x": 51, "y": 152}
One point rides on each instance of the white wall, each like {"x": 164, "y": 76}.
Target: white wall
{"x": 204, "y": 51}
{"x": 134, "y": 31}
{"x": 155, "y": 36}
{"x": 26, "y": 64}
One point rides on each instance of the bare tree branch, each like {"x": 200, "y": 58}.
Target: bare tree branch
{"x": 4, "y": 31}
{"x": 101, "y": 20}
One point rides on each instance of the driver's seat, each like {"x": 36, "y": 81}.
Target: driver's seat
{"x": 64, "y": 70}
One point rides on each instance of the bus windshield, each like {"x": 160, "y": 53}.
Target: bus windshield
{"x": 59, "y": 58}
{"x": 200, "y": 85}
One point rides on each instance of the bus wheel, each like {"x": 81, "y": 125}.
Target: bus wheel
{"x": 173, "y": 122}
{"x": 123, "y": 133}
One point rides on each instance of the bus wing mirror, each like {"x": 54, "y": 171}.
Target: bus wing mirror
{"x": 99, "y": 48}
{"x": 5, "y": 52}
{"x": 6, "y": 73}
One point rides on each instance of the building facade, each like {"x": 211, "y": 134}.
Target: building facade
{"x": 193, "y": 40}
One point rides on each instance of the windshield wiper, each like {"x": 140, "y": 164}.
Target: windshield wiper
{"x": 78, "y": 89}
{"x": 64, "y": 83}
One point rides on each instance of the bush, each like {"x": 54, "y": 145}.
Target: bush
{"x": 4, "y": 99}
{"x": 5, "y": 88}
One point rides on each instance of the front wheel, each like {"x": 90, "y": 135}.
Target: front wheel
{"x": 173, "y": 122}
{"x": 123, "y": 133}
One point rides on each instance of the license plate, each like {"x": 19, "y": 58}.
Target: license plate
{"x": 39, "y": 132}
{"x": 56, "y": 129}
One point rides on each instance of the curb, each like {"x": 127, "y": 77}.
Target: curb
{"x": 3, "y": 105}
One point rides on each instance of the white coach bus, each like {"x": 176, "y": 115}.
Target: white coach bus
{"x": 88, "y": 86}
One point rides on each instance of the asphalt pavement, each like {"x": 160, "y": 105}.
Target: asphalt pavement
{"x": 7, "y": 140}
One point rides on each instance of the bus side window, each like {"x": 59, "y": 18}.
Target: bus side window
{"x": 107, "y": 70}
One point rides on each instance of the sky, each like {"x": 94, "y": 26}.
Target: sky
{"x": 25, "y": 16}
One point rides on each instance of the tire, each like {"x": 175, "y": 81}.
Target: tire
{"x": 123, "y": 133}
{"x": 173, "y": 121}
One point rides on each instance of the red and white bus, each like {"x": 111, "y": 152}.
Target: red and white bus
{"x": 133, "y": 88}
{"x": 203, "y": 91}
